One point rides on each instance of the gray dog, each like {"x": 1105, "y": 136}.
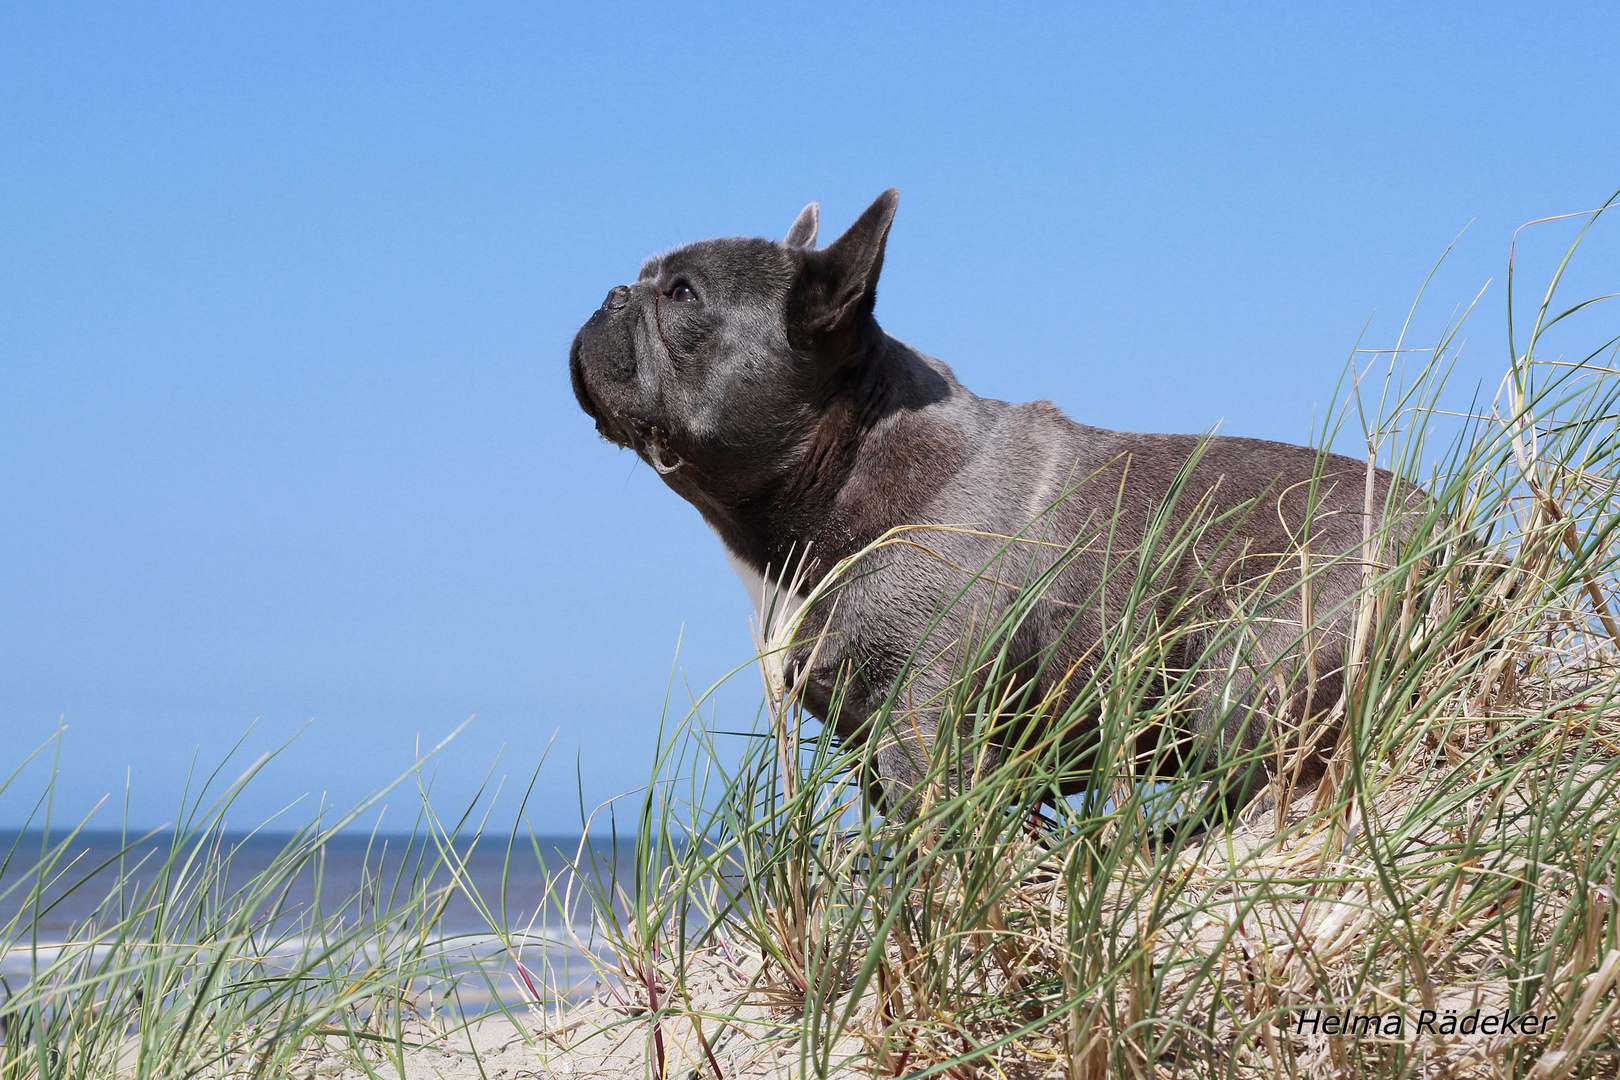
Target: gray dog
{"x": 753, "y": 377}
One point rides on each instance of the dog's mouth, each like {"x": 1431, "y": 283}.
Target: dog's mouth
{"x": 605, "y": 425}
{"x": 652, "y": 443}
{"x": 649, "y": 441}
{"x": 647, "y": 437}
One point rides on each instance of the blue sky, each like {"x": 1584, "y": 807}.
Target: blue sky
{"x": 286, "y": 293}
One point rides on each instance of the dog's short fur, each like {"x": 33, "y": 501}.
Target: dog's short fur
{"x": 753, "y": 377}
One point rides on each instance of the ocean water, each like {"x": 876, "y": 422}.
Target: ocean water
{"x": 509, "y": 924}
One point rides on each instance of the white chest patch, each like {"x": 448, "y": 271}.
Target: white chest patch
{"x": 774, "y": 606}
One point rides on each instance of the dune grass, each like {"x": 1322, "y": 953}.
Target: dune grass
{"x": 1459, "y": 860}
{"x": 203, "y": 957}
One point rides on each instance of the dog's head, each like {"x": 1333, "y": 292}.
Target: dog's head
{"x": 714, "y": 365}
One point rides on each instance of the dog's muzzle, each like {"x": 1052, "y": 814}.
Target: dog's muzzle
{"x": 597, "y": 354}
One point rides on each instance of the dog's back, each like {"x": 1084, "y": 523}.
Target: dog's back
{"x": 1207, "y": 540}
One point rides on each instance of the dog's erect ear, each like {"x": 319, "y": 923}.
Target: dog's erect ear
{"x": 839, "y": 282}
{"x": 803, "y": 232}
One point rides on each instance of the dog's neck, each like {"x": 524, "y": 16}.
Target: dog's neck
{"x": 890, "y": 429}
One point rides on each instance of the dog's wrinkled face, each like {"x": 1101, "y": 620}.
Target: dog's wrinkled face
{"x": 691, "y": 364}
{"x": 708, "y": 367}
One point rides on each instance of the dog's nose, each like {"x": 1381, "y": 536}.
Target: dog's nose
{"x": 617, "y": 297}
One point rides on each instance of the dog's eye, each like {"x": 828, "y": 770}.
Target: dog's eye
{"x": 682, "y": 293}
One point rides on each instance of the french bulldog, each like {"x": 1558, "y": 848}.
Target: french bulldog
{"x": 753, "y": 377}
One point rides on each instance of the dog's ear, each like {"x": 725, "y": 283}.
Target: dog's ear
{"x": 803, "y": 232}
{"x": 838, "y": 283}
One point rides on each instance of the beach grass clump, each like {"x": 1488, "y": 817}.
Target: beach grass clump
{"x": 204, "y": 952}
{"x": 1441, "y": 903}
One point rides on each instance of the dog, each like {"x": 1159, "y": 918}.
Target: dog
{"x": 754, "y": 378}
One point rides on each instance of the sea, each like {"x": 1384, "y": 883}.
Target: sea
{"x": 517, "y": 930}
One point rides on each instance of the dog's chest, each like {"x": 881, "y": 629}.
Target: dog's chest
{"x": 773, "y": 605}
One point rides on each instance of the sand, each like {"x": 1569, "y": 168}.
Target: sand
{"x": 601, "y": 1037}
